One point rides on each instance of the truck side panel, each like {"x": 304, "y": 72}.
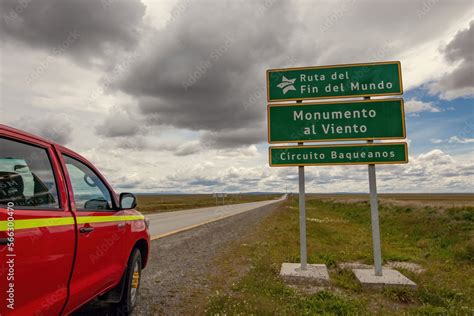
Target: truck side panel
{"x": 42, "y": 262}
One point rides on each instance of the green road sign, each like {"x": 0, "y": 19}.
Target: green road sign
{"x": 357, "y": 154}
{"x": 356, "y": 120}
{"x": 339, "y": 81}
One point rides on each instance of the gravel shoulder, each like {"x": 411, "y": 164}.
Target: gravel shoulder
{"x": 180, "y": 266}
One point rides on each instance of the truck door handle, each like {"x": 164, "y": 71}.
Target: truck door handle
{"x": 84, "y": 230}
{"x": 3, "y": 241}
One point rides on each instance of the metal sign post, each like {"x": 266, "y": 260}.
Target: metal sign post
{"x": 302, "y": 205}
{"x": 374, "y": 216}
{"x": 220, "y": 195}
{"x": 302, "y": 218}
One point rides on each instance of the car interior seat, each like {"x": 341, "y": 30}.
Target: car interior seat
{"x": 11, "y": 188}
{"x": 42, "y": 194}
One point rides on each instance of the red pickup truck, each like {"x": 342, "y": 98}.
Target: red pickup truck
{"x": 65, "y": 236}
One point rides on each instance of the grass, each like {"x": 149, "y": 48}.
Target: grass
{"x": 176, "y": 202}
{"x": 439, "y": 238}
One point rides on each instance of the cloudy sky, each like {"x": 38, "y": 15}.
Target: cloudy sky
{"x": 166, "y": 95}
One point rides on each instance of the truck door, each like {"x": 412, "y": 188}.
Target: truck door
{"x": 37, "y": 228}
{"x": 100, "y": 256}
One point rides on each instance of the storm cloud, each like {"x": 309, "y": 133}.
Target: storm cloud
{"x": 232, "y": 138}
{"x": 205, "y": 70}
{"x": 57, "y": 127}
{"x": 121, "y": 122}
{"x": 99, "y": 27}
{"x": 460, "y": 51}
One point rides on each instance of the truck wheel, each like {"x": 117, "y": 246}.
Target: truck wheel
{"x": 132, "y": 283}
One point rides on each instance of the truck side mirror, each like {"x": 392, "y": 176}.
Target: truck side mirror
{"x": 128, "y": 201}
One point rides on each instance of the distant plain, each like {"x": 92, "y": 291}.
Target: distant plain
{"x": 156, "y": 203}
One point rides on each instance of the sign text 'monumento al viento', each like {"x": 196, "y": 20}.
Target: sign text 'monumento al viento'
{"x": 356, "y": 120}
{"x": 351, "y": 80}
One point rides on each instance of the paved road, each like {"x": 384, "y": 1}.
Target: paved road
{"x": 163, "y": 224}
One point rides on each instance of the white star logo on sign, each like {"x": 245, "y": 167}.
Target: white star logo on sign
{"x": 287, "y": 84}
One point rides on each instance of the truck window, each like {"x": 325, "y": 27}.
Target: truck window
{"x": 26, "y": 176}
{"x": 90, "y": 193}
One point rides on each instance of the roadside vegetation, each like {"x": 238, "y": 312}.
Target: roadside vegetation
{"x": 175, "y": 202}
{"x": 428, "y": 240}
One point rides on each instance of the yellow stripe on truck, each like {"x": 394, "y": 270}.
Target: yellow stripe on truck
{"x": 61, "y": 221}
{"x": 37, "y": 222}
{"x": 106, "y": 219}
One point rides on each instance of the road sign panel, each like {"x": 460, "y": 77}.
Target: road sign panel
{"x": 347, "y": 154}
{"x": 220, "y": 195}
{"x": 356, "y": 120}
{"x": 338, "y": 81}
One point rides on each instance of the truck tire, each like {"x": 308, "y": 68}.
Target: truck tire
{"x": 132, "y": 283}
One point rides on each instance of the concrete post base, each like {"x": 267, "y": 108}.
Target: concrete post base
{"x": 389, "y": 277}
{"x": 315, "y": 273}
